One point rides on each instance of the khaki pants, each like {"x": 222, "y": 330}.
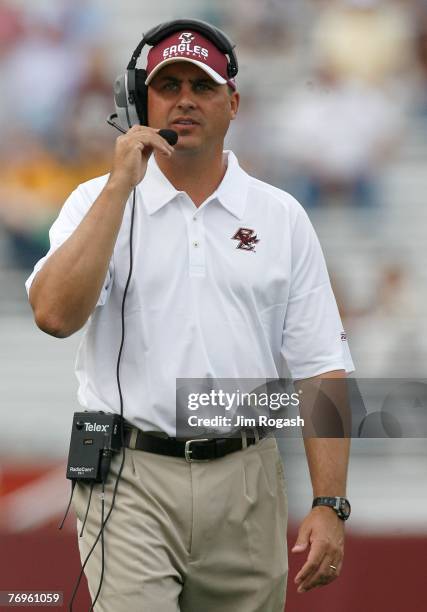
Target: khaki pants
{"x": 190, "y": 537}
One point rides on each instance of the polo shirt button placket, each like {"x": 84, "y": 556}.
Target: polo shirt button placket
{"x": 197, "y": 253}
{"x": 196, "y": 242}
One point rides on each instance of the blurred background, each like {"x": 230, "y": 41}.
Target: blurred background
{"x": 334, "y": 110}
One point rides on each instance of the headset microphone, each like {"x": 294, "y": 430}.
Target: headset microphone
{"x": 169, "y": 135}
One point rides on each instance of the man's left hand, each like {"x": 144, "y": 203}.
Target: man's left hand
{"x": 323, "y": 532}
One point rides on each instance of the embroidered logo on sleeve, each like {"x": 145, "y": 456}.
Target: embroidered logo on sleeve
{"x": 247, "y": 239}
{"x": 343, "y": 336}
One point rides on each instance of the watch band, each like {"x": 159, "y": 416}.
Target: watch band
{"x": 340, "y": 505}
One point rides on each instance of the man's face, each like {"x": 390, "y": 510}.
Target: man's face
{"x": 182, "y": 97}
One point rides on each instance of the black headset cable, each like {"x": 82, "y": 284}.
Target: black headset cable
{"x": 104, "y": 521}
{"x": 73, "y": 484}
{"x": 87, "y": 508}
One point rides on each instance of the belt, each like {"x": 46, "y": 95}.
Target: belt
{"x": 201, "y": 449}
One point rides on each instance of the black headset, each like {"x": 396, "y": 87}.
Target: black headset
{"x": 130, "y": 90}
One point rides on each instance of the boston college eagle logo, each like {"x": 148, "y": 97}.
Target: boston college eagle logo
{"x": 247, "y": 239}
{"x": 186, "y": 38}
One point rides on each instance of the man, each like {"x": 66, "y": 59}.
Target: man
{"x": 228, "y": 282}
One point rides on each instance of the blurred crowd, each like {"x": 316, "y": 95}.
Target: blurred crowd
{"x": 342, "y": 75}
{"x": 52, "y": 117}
{"x": 355, "y": 70}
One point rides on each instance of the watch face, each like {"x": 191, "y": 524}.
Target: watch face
{"x": 345, "y": 507}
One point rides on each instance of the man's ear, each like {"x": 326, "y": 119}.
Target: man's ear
{"x": 234, "y": 104}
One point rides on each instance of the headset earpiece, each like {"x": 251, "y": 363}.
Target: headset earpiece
{"x": 124, "y": 102}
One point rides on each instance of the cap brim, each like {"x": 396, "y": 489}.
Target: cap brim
{"x": 212, "y": 73}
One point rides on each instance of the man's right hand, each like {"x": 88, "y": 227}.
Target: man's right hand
{"x": 132, "y": 152}
{"x": 65, "y": 291}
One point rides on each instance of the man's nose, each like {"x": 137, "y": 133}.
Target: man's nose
{"x": 186, "y": 100}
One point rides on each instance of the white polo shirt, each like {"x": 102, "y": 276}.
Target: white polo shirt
{"x": 237, "y": 288}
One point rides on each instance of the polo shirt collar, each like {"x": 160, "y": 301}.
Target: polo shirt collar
{"x": 233, "y": 189}
{"x": 157, "y": 190}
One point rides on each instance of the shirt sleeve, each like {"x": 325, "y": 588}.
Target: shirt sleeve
{"x": 313, "y": 341}
{"x": 74, "y": 209}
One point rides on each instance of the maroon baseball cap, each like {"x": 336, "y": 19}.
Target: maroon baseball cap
{"x": 191, "y": 47}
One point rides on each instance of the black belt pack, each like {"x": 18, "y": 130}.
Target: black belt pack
{"x": 94, "y": 437}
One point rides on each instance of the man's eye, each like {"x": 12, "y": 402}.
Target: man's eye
{"x": 171, "y": 86}
{"x": 202, "y": 86}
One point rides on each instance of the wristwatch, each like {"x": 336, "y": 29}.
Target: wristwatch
{"x": 340, "y": 505}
